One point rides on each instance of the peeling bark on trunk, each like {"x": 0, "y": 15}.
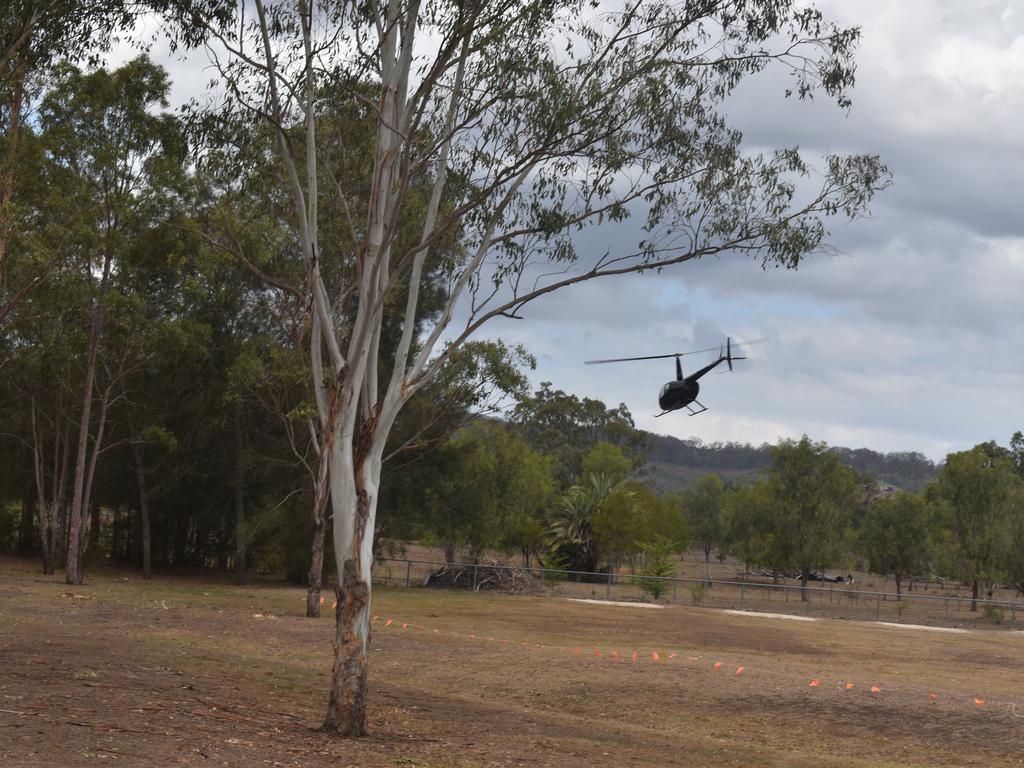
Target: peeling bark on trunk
{"x": 353, "y": 541}
{"x": 316, "y": 571}
{"x": 321, "y": 494}
{"x": 346, "y": 710}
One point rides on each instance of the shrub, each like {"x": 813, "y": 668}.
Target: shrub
{"x": 697, "y": 593}
{"x": 994, "y": 613}
{"x": 659, "y": 565}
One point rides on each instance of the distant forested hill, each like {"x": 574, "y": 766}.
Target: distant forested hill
{"x": 672, "y": 463}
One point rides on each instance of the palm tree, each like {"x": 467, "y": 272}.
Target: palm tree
{"x": 570, "y": 535}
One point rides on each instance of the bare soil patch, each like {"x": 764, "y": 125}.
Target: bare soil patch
{"x": 184, "y": 672}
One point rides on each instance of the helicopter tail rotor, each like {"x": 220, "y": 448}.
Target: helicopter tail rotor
{"x": 729, "y": 357}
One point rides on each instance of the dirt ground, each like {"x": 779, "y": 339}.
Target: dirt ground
{"x": 183, "y": 671}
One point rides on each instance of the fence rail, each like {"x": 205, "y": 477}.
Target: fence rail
{"x": 838, "y": 600}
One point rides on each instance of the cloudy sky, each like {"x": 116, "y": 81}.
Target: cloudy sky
{"x": 912, "y": 337}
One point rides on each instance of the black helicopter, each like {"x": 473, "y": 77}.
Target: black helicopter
{"x": 682, "y": 393}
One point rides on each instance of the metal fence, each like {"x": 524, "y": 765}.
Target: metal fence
{"x": 834, "y": 600}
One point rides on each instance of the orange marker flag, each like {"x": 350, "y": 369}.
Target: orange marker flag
{"x": 739, "y": 670}
{"x": 405, "y": 626}
{"x": 615, "y": 654}
{"x": 373, "y": 620}
{"x": 655, "y": 656}
{"x": 334, "y": 605}
{"x": 389, "y": 622}
{"x": 635, "y": 656}
{"x": 979, "y": 702}
{"x": 672, "y": 655}
{"x": 848, "y": 686}
{"x": 322, "y": 598}
{"x": 875, "y": 689}
{"x": 717, "y": 665}
{"x": 597, "y": 653}
{"x": 934, "y": 696}
{"x": 815, "y": 683}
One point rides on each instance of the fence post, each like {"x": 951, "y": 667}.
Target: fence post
{"x": 608, "y": 588}
{"x": 675, "y": 586}
{"x": 476, "y": 575}
{"x": 1013, "y": 615}
{"x": 408, "y": 572}
{"x": 878, "y": 606}
{"x": 945, "y": 611}
{"x": 743, "y": 589}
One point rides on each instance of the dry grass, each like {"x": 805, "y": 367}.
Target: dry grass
{"x": 179, "y": 671}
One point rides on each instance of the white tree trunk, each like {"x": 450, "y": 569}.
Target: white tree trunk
{"x": 354, "y": 495}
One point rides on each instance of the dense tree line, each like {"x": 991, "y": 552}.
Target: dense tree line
{"x": 156, "y": 410}
{"x": 907, "y": 470}
{"x": 810, "y": 512}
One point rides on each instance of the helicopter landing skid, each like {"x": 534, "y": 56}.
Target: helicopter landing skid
{"x": 693, "y": 412}
{"x": 687, "y": 407}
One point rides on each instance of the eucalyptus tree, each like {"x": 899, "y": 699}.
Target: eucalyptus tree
{"x": 36, "y": 36}
{"x": 974, "y": 493}
{"x": 1015, "y": 550}
{"x": 809, "y": 497}
{"x": 108, "y": 155}
{"x": 533, "y": 121}
{"x": 703, "y": 504}
{"x": 1017, "y": 452}
{"x": 894, "y": 536}
{"x": 245, "y": 216}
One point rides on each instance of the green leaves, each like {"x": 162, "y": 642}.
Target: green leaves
{"x": 895, "y": 536}
{"x": 795, "y": 519}
{"x": 975, "y": 493}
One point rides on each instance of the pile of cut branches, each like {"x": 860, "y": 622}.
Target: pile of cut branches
{"x": 487, "y": 574}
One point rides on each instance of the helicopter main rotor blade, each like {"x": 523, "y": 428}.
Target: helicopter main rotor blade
{"x": 649, "y": 357}
{"x": 735, "y": 345}
{"x": 748, "y": 342}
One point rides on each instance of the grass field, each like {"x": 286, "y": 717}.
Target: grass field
{"x": 180, "y": 671}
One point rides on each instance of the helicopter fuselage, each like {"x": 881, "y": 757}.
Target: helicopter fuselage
{"x": 678, "y": 394}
